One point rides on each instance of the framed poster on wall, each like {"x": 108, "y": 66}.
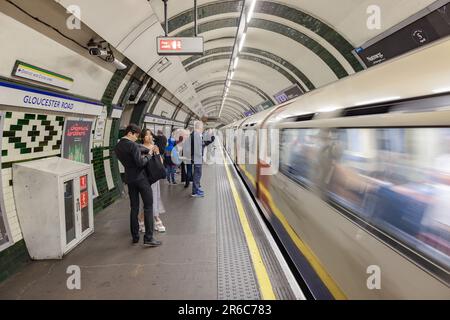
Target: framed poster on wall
{"x": 77, "y": 141}
{"x": 5, "y": 235}
{"x": 77, "y": 144}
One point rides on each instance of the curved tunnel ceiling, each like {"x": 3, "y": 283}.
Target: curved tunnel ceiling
{"x": 308, "y": 43}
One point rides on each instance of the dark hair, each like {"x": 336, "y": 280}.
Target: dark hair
{"x": 133, "y": 129}
{"x": 144, "y": 133}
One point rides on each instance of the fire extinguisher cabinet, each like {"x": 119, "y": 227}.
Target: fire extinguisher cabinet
{"x": 53, "y": 199}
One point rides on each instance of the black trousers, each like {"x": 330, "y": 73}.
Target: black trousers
{"x": 186, "y": 173}
{"x": 143, "y": 188}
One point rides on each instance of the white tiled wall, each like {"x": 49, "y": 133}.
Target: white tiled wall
{"x": 14, "y": 155}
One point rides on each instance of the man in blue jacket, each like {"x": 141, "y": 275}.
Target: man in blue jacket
{"x": 129, "y": 154}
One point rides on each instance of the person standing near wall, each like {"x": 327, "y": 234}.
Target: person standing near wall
{"x": 129, "y": 154}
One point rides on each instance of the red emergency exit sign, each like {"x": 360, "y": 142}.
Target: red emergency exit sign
{"x": 180, "y": 46}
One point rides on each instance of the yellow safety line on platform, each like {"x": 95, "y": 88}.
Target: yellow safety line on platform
{"x": 248, "y": 175}
{"x": 262, "y": 276}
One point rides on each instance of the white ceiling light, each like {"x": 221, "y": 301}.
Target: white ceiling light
{"x": 251, "y": 11}
{"x": 236, "y": 61}
{"x": 241, "y": 45}
{"x": 232, "y": 75}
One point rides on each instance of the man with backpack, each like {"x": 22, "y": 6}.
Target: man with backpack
{"x": 171, "y": 167}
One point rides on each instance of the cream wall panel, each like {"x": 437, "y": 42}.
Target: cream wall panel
{"x": 19, "y": 42}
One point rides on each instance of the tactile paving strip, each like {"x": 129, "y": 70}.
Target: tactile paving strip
{"x": 236, "y": 277}
{"x": 279, "y": 282}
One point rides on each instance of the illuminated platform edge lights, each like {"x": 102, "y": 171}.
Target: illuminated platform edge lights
{"x": 246, "y": 17}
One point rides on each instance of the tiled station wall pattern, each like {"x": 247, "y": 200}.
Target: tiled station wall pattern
{"x": 31, "y": 136}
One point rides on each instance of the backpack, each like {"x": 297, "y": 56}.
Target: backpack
{"x": 175, "y": 156}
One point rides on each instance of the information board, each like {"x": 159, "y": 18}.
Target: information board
{"x": 177, "y": 46}
{"x": 428, "y": 29}
{"x": 288, "y": 94}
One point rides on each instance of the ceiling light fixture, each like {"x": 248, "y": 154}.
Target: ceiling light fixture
{"x": 251, "y": 11}
{"x": 241, "y": 45}
{"x": 241, "y": 33}
{"x": 236, "y": 61}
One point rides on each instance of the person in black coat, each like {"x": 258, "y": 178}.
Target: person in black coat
{"x": 130, "y": 155}
{"x": 161, "y": 141}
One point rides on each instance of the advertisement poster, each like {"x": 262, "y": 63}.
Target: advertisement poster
{"x": 77, "y": 144}
{"x": 4, "y": 238}
{"x": 77, "y": 141}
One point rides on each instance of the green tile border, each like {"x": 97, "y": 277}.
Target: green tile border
{"x": 261, "y": 53}
{"x": 238, "y": 83}
{"x": 247, "y": 57}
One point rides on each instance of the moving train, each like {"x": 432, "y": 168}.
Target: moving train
{"x": 354, "y": 179}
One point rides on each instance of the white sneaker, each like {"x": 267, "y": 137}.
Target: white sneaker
{"x": 160, "y": 227}
{"x": 141, "y": 227}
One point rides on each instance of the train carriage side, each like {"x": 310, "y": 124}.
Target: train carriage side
{"x": 358, "y": 197}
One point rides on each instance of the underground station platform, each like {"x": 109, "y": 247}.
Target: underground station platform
{"x": 215, "y": 248}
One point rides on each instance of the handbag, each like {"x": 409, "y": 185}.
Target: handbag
{"x": 155, "y": 169}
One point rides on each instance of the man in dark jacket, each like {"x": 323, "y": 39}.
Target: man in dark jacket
{"x": 129, "y": 154}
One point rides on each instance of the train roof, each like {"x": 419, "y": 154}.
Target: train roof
{"x": 422, "y": 73}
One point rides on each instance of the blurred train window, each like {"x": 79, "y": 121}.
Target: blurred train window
{"x": 397, "y": 179}
{"x": 298, "y": 154}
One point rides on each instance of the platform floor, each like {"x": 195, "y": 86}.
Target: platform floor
{"x": 204, "y": 255}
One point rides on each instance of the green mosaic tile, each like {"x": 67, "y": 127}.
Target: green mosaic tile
{"x": 8, "y": 134}
{"x": 26, "y": 151}
{"x": 20, "y": 145}
{"x": 59, "y": 119}
{"x": 56, "y": 147}
{"x": 30, "y": 116}
{"x": 14, "y": 140}
{"x": 38, "y": 149}
{"x": 4, "y": 153}
{"x": 42, "y": 117}
{"x": 16, "y": 128}
{"x": 33, "y": 133}
{"x": 23, "y": 122}
{"x": 8, "y": 115}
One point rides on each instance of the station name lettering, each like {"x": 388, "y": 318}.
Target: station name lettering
{"x": 45, "y": 102}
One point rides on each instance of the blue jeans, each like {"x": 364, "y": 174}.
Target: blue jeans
{"x": 171, "y": 170}
{"x": 197, "y": 178}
